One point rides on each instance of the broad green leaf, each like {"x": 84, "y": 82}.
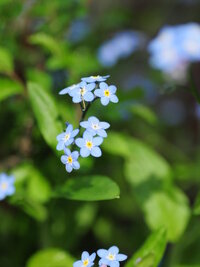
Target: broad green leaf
{"x": 40, "y": 77}
{"x": 89, "y": 188}
{"x": 6, "y": 61}
{"x": 46, "y": 113}
{"x": 151, "y": 253}
{"x": 51, "y": 257}
{"x": 9, "y": 88}
{"x": 196, "y": 209}
{"x": 145, "y": 113}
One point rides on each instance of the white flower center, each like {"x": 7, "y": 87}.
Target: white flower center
{"x": 111, "y": 257}
{"x": 67, "y": 136}
{"x": 82, "y": 91}
{"x": 95, "y": 126}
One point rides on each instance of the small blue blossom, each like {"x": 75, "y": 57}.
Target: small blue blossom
{"x": 87, "y": 260}
{"x": 95, "y": 127}
{"x": 83, "y": 92}
{"x": 6, "y": 185}
{"x": 106, "y": 93}
{"x": 92, "y": 79}
{"x": 110, "y": 257}
{"x": 70, "y": 160}
{"x": 69, "y": 90}
{"x": 89, "y": 145}
{"x": 65, "y": 139}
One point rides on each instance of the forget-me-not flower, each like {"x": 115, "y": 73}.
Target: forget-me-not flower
{"x": 70, "y": 159}
{"x": 106, "y": 93}
{"x": 6, "y": 185}
{"x": 87, "y": 260}
{"x": 83, "y": 92}
{"x": 89, "y": 145}
{"x": 110, "y": 257}
{"x": 95, "y": 127}
{"x": 67, "y": 138}
{"x": 92, "y": 79}
{"x": 69, "y": 90}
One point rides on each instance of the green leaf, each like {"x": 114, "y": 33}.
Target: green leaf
{"x": 46, "y": 113}
{"x": 51, "y": 257}
{"x": 40, "y": 77}
{"x": 89, "y": 188}
{"x": 6, "y": 61}
{"x": 145, "y": 113}
{"x": 9, "y": 88}
{"x": 196, "y": 209}
{"x": 151, "y": 253}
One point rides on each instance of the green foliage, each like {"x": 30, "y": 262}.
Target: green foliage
{"x": 6, "y": 62}
{"x": 9, "y": 88}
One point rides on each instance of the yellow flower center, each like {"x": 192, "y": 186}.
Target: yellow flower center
{"x": 107, "y": 92}
{"x": 82, "y": 91}
{"x": 69, "y": 159}
{"x": 94, "y": 77}
{"x": 67, "y": 137}
{"x": 111, "y": 257}
{"x": 89, "y": 144}
{"x": 4, "y": 186}
{"x": 85, "y": 262}
{"x": 95, "y": 126}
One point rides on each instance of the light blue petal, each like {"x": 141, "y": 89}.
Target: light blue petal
{"x": 69, "y": 129}
{"x": 68, "y": 168}
{"x": 113, "y": 250}
{"x": 114, "y": 99}
{"x": 82, "y": 84}
{"x": 77, "y": 264}
{"x": 87, "y": 136}
{"x": 96, "y": 152}
{"x": 104, "y": 261}
{"x": 76, "y": 165}
{"x": 76, "y": 99}
{"x": 114, "y": 264}
{"x": 104, "y": 125}
{"x": 64, "y": 159}
{"x": 80, "y": 142}
{"x": 60, "y": 145}
{"x": 75, "y": 155}
{"x": 121, "y": 257}
{"x": 64, "y": 91}
{"x": 84, "y": 124}
{"x": 85, "y": 255}
{"x": 103, "y": 86}
{"x": 69, "y": 142}
{"x": 97, "y": 141}
{"x": 93, "y": 120}
{"x": 102, "y": 253}
{"x": 88, "y": 97}
{"x": 84, "y": 152}
{"x": 92, "y": 257}
{"x": 60, "y": 136}
{"x": 74, "y": 133}
{"x": 90, "y": 86}
{"x": 102, "y": 133}
{"x": 112, "y": 89}
{"x": 98, "y": 92}
{"x": 2, "y": 195}
{"x": 104, "y": 101}
{"x": 91, "y": 131}
{"x": 67, "y": 151}
{"x": 10, "y": 190}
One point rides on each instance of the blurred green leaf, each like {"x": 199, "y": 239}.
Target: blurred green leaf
{"x": 151, "y": 253}
{"x": 6, "y": 61}
{"x": 9, "y": 88}
{"x": 196, "y": 209}
{"x": 145, "y": 113}
{"x": 89, "y": 188}
{"x": 40, "y": 77}
{"x": 46, "y": 113}
{"x": 51, "y": 257}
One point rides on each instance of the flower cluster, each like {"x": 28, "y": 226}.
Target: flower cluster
{"x": 88, "y": 90}
{"x": 110, "y": 257}
{"x": 6, "y": 185}
{"x": 175, "y": 47}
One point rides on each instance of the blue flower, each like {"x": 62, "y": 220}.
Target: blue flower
{"x": 66, "y": 138}
{"x": 70, "y": 160}
{"x": 89, "y": 145}
{"x": 106, "y": 93}
{"x": 95, "y": 127}
{"x": 98, "y": 78}
{"x": 110, "y": 257}
{"x": 83, "y": 92}
{"x": 69, "y": 90}
{"x": 87, "y": 260}
{"x": 6, "y": 185}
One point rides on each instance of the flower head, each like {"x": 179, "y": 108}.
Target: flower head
{"x": 83, "y": 92}
{"x": 6, "y": 185}
{"x": 87, "y": 260}
{"x": 92, "y": 79}
{"x": 65, "y": 139}
{"x": 106, "y": 93}
{"x": 95, "y": 127}
{"x": 89, "y": 145}
{"x": 110, "y": 257}
{"x": 70, "y": 160}
{"x": 69, "y": 90}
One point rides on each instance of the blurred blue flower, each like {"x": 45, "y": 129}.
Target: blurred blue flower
{"x": 65, "y": 139}
{"x": 69, "y": 90}
{"x": 95, "y": 127}
{"x": 89, "y": 145}
{"x": 92, "y": 79}
{"x": 6, "y": 185}
{"x": 87, "y": 260}
{"x": 122, "y": 45}
{"x": 78, "y": 30}
{"x": 175, "y": 46}
{"x": 110, "y": 257}
{"x": 83, "y": 92}
{"x": 106, "y": 93}
{"x": 70, "y": 160}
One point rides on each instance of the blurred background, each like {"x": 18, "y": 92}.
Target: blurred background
{"x": 152, "y": 151}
